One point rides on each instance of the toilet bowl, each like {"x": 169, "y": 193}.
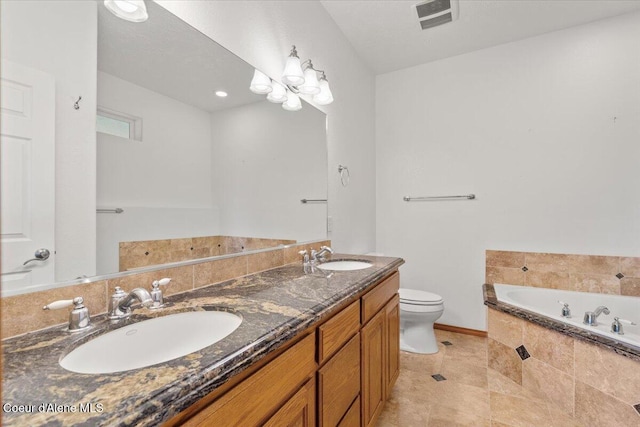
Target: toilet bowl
{"x": 419, "y": 310}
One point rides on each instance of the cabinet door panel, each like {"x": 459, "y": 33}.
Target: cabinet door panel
{"x": 339, "y": 383}
{"x": 393, "y": 343}
{"x": 373, "y": 368}
{"x": 352, "y": 417}
{"x": 299, "y": 411}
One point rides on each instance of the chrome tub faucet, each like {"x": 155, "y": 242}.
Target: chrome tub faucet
{"x": 591, "y": 317}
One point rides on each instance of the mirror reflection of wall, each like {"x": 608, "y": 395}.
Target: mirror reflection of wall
{"x": 196, "y": 164}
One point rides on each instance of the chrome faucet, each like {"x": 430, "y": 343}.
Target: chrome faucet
{"x": 120, "y": 303}
{"x": 591, "y": 317}
{"x": 320, "y": 255}
{"x": 78, "y": 317}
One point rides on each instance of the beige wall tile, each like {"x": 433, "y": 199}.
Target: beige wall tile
{"x": 511, "y": 276}
{"x": 550, "y": 347}
{"x": 609, "y": 372}
{"x": 24, "y": 313}
{"x": 630, "y": 267}
{"x": 219, "y": 270}
{"x": 505, "y": 328}
{"x": 549, "y": 383}
{"x": 583, "y": 264}
{"x": 265, "y": 261}
{"x": 505, "y": 259}
{"x": 505, "y": 360}
{"x": 630, "y": 286}
{"x": 549, "y": 279}
{"x": 181, "y": 280}
{"x": 597, "y": 283}
{"x": 595, "y": 408}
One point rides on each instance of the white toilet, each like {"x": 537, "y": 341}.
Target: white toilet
{"x": 419, "y": 310}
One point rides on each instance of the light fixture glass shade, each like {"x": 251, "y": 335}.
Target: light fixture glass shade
{"x": 325, "y": 97}
{"x": 293, "y": 102}
{"x": 278, "y": 95}
{"x": 310, "y": 85}
{"x": 129, "y": 10}
{"x": 261, "y": 83}
{"x": 292, "y": 74}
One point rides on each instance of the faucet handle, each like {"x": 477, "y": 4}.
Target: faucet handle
{"x": 156, "y": 292}
{"x": 305, "y": 256}
{"x": 161, "y": 282}
{"x": 566, "y": 311}
{"x": 78, "y": 317}
{"x": 616, "y": 326}
{"x": 63, "y": 303}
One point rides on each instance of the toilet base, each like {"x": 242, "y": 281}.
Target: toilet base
{"x": 419, "y": 338}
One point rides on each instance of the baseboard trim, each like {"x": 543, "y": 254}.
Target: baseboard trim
{"x": 459, "y": 330}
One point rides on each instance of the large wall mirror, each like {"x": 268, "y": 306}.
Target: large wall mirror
{"x": 181, "y": 172}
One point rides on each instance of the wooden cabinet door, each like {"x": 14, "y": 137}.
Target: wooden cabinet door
{"x": 339, "y": 384}
{"x": 392, "y": 320}
{"x": 373, "y": 368}
{"x": 299, "y": 410}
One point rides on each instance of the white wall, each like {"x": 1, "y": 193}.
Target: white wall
{"x": 164, "y": 182}
{"x": 544, "y": 131}
{"x": 262, "y": 34}
{"x": 60, "y": 38}
{"x": 260, "y": 172}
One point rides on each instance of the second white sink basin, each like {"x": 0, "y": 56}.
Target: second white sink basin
{"x": 150, "y": 342}
{"x": 344, "y": 265}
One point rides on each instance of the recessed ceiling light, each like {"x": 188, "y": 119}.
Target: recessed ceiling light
{"x": 129, "y": 10}
{"x": 221, "y": 93}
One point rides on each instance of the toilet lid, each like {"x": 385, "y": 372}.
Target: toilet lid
{"x": 414, "y": 296}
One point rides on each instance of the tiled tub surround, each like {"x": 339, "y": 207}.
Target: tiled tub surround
{"x": 275, "y": 305}
{"x": 143, "y": 253}
{"x": 594, "y": 379}
{"x": 583, "y": 273}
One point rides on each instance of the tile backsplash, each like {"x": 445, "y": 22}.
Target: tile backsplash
{"x": 23, "y": 313}
{"x": 583, "y": 273}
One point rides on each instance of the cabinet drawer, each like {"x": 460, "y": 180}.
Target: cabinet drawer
{"x": 375, "y": 299}
{"x": 339, "y": 383}
{"x": 352, "y": 417}
{"x": 257, "y": 397}
{"x": 337, "y": 331}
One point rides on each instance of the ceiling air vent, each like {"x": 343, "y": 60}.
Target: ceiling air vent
{"x": 437, "y": 12}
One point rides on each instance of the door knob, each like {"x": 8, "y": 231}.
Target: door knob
{"x": 41, "y": 254}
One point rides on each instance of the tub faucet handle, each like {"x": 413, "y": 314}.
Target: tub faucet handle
{"x": 616, "y": 326}
{"x": 566, "y": 311}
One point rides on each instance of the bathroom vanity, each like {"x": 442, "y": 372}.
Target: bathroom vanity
{"x": 314, "y": 348}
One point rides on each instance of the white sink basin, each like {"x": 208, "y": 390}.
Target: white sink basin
{"x": 344, "y": 265}
{"x": 150, "y": 342}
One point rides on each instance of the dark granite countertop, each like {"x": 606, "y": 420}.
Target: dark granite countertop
{"x": 491, "y": 300}
{"x": 275, "y": 305}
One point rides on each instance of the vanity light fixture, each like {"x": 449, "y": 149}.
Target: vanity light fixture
{"x": 129, "y": 10}
{"x": 278, "y": 94}
{"x": 298, "y": 78}
{"x": 292, "y": 103}
{"x": 221, "y": 93}
{"x": 260, "y": 83}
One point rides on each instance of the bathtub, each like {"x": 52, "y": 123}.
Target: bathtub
{"x": 544, "y": 302}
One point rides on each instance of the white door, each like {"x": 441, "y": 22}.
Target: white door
{"x": 27, "y": 204}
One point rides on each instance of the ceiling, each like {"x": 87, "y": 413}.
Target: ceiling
{"x": 167, "y": 56}
{"x": 388, "y": 37}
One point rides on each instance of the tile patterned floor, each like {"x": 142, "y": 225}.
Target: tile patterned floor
{"x": 472, "y": 394}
